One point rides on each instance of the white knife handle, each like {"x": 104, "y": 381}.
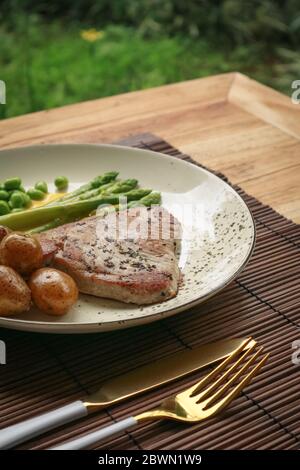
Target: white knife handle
{"x": 21, "y": 432}
{"x": 96, "y": 436}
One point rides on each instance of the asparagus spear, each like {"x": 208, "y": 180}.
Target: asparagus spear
{"x": 44, "y": 214}
{"x": 46, "y": 217}
{"x": 53, "y": 224}
{"x": 103, "y": 179}
{"x": 89, "y": 193}
{"x": 151, "y": 199}
{"x": 109, "y": 188}
{"x": 119, "y": 187}
{"x": 93, "y": 184}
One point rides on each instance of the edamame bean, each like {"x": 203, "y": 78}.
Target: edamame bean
{"x": 12, "y": 183}
{"x": 4, "y": 196}
{"x": 4, "y": 208}
{"x": 42, "y": 186}
{"x": 35, "y": 194}
{"x": 16, "y": 200}
{"x": 27, "y": 200}
{"x": 61, "y": 182}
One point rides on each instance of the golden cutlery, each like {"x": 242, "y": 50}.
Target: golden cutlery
{"x": 119, "y": 388}
{"x": 201, "y": 401}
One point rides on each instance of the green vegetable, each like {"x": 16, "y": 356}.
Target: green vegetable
{"x": 45, "y": 214}
{"x": 77, "y": 192}
{"x": 136, "y": 194}
{"x": 96, "y": 182}
{"x": 4, "y": 208}
{"x": 103, "y": 190}
{"x": 4, "y": 195}
{"x": 41, "y": 186}
{"x": 61, "y": 182}
{"x": 27, "y": 200}
{"x": 151, "y": 199}
{"x": 116, "y": 199}
{"x": 124, "y": 186}
{"x": 35, "y": 194}
{"x": 105, "y": 179}
{"x": 12, "y": 183}
{"x": 53, "y": 224}
{"x": 16, "y": 200}
{"x": 92, "y": 192}
{"x": 120, "y": 187}
{"x": 22, "y": 189}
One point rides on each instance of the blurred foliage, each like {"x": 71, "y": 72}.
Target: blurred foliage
{"x": 47, "y": 60}
{"x": 288, "y": 70}
{"x": 48, "y": 66}
{"x": 235, "y": 22}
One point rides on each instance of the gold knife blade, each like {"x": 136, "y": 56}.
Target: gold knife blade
{"x": 161, "y": 371}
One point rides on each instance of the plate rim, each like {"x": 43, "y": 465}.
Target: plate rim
{"x": 93, "y": 327}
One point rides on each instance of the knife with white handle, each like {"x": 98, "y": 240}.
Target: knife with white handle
{"x": 112, "y": 391}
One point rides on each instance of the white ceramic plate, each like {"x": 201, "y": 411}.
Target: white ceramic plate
{"x": 218, "y": 232}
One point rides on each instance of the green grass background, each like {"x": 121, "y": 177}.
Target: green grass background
{"x": 47, "y": 63}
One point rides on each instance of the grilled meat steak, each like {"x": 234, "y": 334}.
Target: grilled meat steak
{"x": 127, "y": 256}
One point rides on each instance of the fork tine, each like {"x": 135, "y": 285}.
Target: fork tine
{"x": 219, "y": 392}
{"x": 236, "y": 390}
{"x": 214, "y": 386}
{"x": 198, "y": 386}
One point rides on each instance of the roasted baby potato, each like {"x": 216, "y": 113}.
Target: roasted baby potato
{"x": 21, "y": 252}
{"x": 15, "y": 296}
{"x": 3, "y": 232}
{"x": 54, "y": 292}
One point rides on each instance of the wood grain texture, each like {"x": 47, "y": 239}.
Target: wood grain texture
{"x": 227, "y": 122}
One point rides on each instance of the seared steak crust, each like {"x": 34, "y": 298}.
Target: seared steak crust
{"x": 107, "y": 259}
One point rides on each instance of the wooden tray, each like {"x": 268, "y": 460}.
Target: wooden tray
{"x": 45, "y": 371}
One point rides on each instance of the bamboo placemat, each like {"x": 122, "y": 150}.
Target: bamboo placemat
{"x": 45, "y": 371}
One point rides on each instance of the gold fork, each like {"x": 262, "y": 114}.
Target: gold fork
{"x": 199, "y": 402}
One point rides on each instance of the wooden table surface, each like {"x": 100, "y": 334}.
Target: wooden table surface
{"x": 227, "y": 122}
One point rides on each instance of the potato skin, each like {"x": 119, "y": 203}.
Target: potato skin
{"x": 54, "y": 292}
{"x": 3, "y": 232}
{"x": 15, "y": 295}
{"x": 21, "y": 252}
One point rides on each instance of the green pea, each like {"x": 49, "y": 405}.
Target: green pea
{"x": 16, "y": 200}
{"x": 61, "y": 182}
{"x": 27, "y": 200}
{"x": 17, "y": 191}
{"x": 22, "y": 189}
{"x": 42, "y": 186}
{"x": 17, "y": 209}
{"x": 4, "y": 196}
{"x": 4, "y": 208}
{"x": 35, "y": 194}
{"x": 12, "y": 183}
